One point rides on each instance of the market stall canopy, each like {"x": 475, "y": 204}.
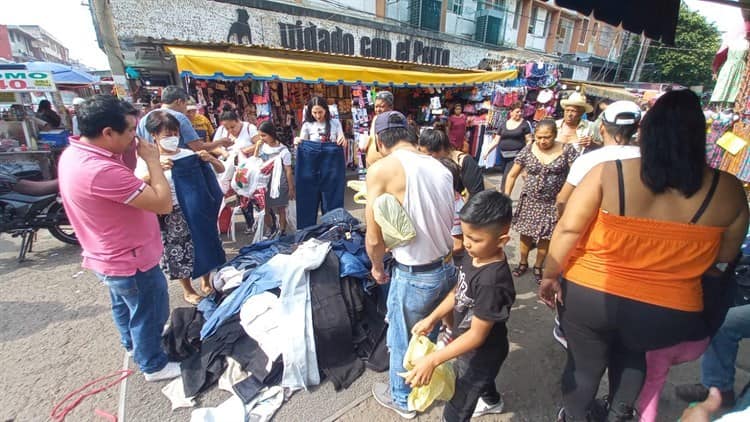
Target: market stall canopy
{"x": 208, "y": 64}
{"x": 656, "y": 18}
{"x": 62, "y": 74}
{"x": 609, "y": 92}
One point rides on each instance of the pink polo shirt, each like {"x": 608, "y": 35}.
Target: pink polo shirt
{"x": 96, "y": 187}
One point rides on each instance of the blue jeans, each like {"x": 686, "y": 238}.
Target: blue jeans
{"x": 717, "y": 365}
{"x": 411, "y": 297}
{"x": 140, "y": 308}
{"x": 321, "y": 176}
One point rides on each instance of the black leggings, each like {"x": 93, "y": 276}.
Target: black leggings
{"x": 610, "y": 332}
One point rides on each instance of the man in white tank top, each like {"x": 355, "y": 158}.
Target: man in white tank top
{"x": 421, "y": 277}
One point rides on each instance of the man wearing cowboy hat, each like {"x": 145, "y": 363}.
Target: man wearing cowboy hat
{"x": 571, "y": 129}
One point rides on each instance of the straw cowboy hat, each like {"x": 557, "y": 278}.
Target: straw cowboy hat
{"x": 576, "y": 99}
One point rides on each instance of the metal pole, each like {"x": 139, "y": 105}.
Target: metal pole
{"x": 637, "y": 59}
{"x": 624, "y": 46}
{"x": 643, "y": 59}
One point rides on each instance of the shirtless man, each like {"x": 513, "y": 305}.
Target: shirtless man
{"x": 422, "y": 275}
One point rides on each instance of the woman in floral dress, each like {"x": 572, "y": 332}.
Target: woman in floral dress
{"x": 546, "y": 163}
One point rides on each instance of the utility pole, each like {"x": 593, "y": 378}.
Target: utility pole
{"x": 624, "y": 46}
{"x": 643, "y": 59}
{"x": 635, "y": 74}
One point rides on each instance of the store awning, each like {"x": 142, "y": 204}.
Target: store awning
{"x": 612, "y": 93}
{"x": 656, "y": 18}
{"x": 207, "y": 64}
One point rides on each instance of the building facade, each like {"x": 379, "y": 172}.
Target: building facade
{"x": 24, "y": 43}
{"x": 455, "y": 33}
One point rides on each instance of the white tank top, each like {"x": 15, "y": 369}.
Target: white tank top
{"x": 428, "y": 201}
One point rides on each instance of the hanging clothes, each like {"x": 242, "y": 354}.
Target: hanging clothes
{"x": 730, "y": 77}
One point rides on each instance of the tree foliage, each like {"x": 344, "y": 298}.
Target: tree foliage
{"x": 688, "y": 62}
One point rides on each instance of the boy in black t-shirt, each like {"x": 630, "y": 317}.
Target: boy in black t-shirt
{"x": 481, "y": 305}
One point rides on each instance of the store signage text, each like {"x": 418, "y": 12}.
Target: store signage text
{"x": 296, "y": 36}
{"x": 22, "y": 81}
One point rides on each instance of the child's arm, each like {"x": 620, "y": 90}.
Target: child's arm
{"x": 466, "y": 342}
{"x": 290, "y": 181}
{"x": 426, "y": 325}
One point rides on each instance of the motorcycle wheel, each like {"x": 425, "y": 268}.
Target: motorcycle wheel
{"x": 61, "y": 230}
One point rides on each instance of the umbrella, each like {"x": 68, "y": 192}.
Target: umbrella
{"x": 62, "y": 74}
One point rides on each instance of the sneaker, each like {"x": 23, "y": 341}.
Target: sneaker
{"x": 697, "y": 393}
{"x": 559, "y": 335}
{"x": 484, "y": 408}
{"x": 129, "y": 352}
{"x": 561, "y": 415}
{"x": 168, "y": 372}
{"x": 382, "y": 394}
{"x": 445, "y": 336}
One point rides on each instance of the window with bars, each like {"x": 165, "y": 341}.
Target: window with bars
{"x": 456, "y": 6}
{"x": 584, "y": 31}
{"x": 517, "y": 13}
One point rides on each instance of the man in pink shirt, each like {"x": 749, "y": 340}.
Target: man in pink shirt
{"x": 114, "y": 216}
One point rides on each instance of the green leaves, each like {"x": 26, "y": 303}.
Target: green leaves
{"x": 688, "y": 62}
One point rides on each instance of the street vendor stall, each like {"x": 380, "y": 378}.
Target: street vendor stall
{"x": 19, "y": 129}
{"x": 275, "y": 84}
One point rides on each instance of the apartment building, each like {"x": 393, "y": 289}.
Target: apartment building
{"x": 23, "y": 43}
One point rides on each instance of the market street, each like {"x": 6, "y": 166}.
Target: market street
{"x": 56, "y": 335}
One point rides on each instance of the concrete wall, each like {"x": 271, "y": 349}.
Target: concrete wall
{"x": 178, "y": 21}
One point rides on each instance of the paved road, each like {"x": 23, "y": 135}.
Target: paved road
{"x": 56, "y": 335}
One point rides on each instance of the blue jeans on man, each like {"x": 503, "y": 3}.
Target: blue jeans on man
{"x": 718, "y": 361}
{"x": 140, "y": 308}
{"x": 411, "y": 297}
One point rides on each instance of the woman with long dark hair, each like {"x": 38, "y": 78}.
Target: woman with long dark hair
{"x": 631, "y": 247}
{"x": 320, "y": 171}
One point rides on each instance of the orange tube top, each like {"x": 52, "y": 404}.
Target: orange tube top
{"x": 650, "y": 261}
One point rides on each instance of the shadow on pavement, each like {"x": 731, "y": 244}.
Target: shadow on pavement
{"x": 37, "y": 316}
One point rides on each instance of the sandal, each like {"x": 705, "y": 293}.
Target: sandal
{"x": 538, "y": 274}
{"x": 520, "y": 270}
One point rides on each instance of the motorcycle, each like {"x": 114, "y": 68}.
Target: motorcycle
{"x": 27, "y": 206}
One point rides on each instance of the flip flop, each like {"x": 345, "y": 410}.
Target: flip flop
{"x": 520, "y": 270}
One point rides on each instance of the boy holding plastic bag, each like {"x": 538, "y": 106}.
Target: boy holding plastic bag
{"x": 481, "y": 306}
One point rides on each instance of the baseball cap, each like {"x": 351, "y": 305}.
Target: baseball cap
{"x": 622, "y": 113}
{"x": 389, "y": 120}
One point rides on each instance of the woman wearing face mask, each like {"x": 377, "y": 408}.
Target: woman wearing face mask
{"x": 321, "y": 166}
{"x": 243, "y": 134}
{"x": 547, "y": 164}
{"x": 177, "y": 260}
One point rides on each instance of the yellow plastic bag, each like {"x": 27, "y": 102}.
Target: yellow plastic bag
{"x": 443, "y": 382}
{"x": 395, "y": 224}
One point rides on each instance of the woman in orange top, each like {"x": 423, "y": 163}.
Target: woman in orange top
{"x": 632, "y": 248}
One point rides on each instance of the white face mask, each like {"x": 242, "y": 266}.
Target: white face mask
{"x": 170, "y": 143}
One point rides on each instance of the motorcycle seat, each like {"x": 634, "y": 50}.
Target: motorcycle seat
{"x": 34, "y": 188}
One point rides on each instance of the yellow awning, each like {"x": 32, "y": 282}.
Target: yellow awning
{"x": 207, "y": 64}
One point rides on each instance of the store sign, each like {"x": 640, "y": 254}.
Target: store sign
{"x": 296, "y": 36}
{"x": 25, "y": 81}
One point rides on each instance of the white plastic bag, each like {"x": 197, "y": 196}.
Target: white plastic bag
{"x": 225, "y": 179}
{"x": 291, "y": 216}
